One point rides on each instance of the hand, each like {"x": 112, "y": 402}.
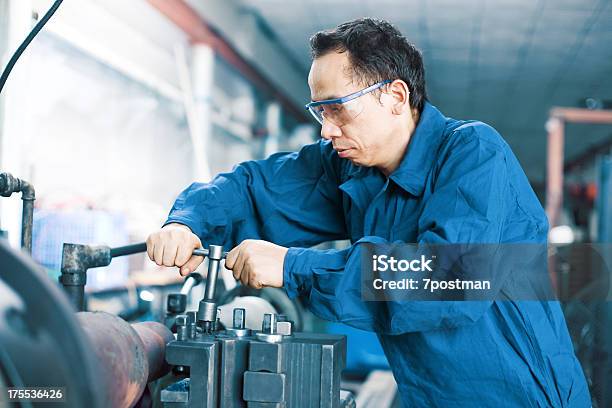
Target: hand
{"x": 173, "y": 245}
{"x": 257, "y": 263}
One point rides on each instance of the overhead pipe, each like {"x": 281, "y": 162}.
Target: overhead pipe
{"x": 198, "y": 31}
{"x": 555, "y": 127}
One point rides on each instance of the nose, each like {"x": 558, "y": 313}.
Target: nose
{"x": 329, "y": 130}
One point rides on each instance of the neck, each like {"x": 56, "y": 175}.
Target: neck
{"x": 397, "y": 150}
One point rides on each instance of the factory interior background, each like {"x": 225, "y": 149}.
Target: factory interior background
{"x": 117, "y": 106}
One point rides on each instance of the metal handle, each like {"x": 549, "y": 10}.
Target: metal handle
{"x": 204, "y": 252}
{"x": 142, "y": 247}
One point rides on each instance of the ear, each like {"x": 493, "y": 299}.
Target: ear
{"x": 400, "y": 94}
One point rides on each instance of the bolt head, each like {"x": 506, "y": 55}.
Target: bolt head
{"x": 239, "y": 318}
{"x": 284, "y": 328}
{"x": 182, "y": 320}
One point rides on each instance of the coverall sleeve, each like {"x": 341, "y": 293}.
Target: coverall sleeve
{"x": 467, "y": 206}
{"x": 291, "y": 199}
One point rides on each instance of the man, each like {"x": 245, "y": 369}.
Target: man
{"x": 391, "y": 167}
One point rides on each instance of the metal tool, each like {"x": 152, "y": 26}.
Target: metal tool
{"x": 77, "y": 259}
{"x": 207, "y": 310}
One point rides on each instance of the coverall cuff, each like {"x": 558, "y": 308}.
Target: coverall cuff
{"x": 193, "y": 225}
{"x": 297, "y": 272}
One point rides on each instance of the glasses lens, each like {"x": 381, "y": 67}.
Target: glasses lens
{"x": 338, "y": 114}
{"x": 316, "y": 113}
{"x": 350, "y": 110}
{"x": 333, "y": 112}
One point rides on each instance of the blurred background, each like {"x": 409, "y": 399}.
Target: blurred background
{"x": 119, "y": 105}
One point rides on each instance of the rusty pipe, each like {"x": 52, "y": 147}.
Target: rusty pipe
{"x": 155, "y": 336}
{"x": 129, "y": 356}
{"x": 9, "y": 185}
{"x": 76, "y": 260}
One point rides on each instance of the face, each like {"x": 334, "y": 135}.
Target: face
{"x": 368, "y": 139}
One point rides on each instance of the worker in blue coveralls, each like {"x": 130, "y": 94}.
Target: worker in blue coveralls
{"x": 389, "y": 167}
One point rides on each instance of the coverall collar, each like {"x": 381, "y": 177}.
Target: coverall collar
{"x": 421, "y": 152}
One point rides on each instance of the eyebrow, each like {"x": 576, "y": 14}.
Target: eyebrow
{"x": 334, "y": 96}
{"x": 327, "y": 97}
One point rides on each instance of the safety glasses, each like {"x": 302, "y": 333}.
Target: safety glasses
{"x": 340, "y": 111}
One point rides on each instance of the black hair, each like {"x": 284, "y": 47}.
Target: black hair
{"x": 377, "y": 51}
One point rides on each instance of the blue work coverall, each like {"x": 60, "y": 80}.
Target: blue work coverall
{"x": 458, "y": 182}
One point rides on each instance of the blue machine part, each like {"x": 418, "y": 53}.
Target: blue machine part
{"x": 363, "y": 350}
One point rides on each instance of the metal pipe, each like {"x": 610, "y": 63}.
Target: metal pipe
{"x": 76, "y": 260}
{"x": 9, "y": 185}
{"x": 581, "y": 115}
{"x": 154, "y": 336}
{"x": 199, "y": 31}
{"x": 555, "y": 127}
{"x": 204, "y": 252}
{"x": 129, "y": 356}
{"x": 27, "y": 215}
{"x": 554, "y": 170}
{"x": 75, "y": 293}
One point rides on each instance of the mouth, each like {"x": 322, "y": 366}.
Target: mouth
{"x": 343, "y": 151}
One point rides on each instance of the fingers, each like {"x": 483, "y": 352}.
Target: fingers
{"x": 191, "y": 265}
{"x": 244, "y": 275}
{"x": 169, "y": 256}
{"x": 231, "y": 257}
{"x": 173, "y": 245}
{"x": 235, "y": 261}
{"x": 241, "y": 272}
{"x": 150, "y": 246}
{"x": 158, "y": 254}
{"x": 253, "y": 280}
{"x": 257, "y": 263}
{"x": 185, "y": 252}
{"x": 238, "y": 263}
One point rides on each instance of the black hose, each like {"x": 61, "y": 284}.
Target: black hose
{"x": 27, "y": 41}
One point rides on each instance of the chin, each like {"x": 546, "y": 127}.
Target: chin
{"x": 357, "y": 161}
